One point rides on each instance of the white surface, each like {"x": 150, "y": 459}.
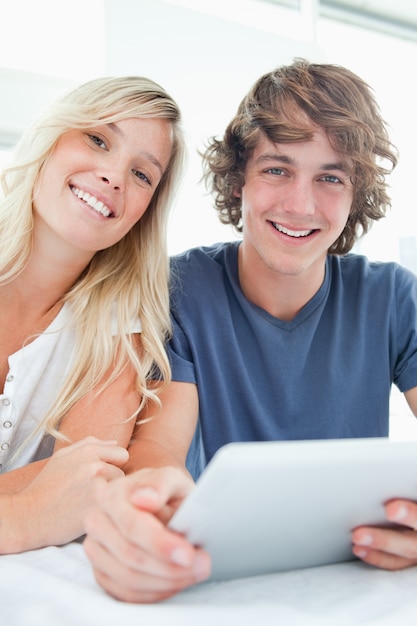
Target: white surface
{"x": 250, "y": 530}
{"x": 55, "y": 587}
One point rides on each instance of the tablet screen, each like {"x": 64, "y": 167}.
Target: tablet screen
{"x": 271, "y": 506}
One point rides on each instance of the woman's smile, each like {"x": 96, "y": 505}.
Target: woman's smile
{"x": 92, "y": 202}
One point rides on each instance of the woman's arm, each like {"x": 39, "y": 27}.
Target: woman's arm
{"x": 45, "y": 502}
{"x": 50, "y": 510}
{"x": 104, "y": 416}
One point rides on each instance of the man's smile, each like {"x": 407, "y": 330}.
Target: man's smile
{"x": 291, "y": 233}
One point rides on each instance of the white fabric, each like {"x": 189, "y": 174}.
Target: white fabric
{"x": 34, "y": 378}
{"x": 56, "y": 587}
{"x": 36, "y": 373}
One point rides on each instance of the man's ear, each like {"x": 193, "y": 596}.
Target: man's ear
{"x": 237, "y": 193}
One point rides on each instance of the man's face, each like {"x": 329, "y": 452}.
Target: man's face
{"x": 295, "y": 203}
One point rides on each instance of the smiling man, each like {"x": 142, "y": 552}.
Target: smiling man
{"x": 295, "y": 203}
{"x": 283, "y": 335}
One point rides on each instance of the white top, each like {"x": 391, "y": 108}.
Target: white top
{"x": 35, "y": 377}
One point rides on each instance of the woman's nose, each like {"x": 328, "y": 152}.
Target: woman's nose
{"x": 113, "y": 183}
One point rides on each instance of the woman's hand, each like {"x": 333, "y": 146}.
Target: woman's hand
{"x": 51, "y": 509}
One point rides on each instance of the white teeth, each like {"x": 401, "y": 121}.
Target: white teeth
{"x": 292, "y": 233}
{"x": 92, "y": 201}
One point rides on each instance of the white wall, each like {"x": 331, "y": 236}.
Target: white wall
{"x": 207, "y": 64}
{"x": 45, "y": 49}
{"x": 27, "y": 95}
{"x": 386, "y": 63}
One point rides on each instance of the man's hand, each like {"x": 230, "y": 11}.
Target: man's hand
{"x": 390, "y": 548}
{"x": 134, "y": 556}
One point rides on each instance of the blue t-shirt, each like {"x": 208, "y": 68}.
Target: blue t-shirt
{"x": 325, "y": 374}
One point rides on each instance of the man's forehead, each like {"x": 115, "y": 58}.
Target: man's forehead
{"x": 287, "y": 151}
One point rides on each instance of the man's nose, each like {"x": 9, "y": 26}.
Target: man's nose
{"x": 300, "y": 198}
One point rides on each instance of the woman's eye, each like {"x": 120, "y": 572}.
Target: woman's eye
{"x": 98, "y": 141}
{"x": 143, "y": 177}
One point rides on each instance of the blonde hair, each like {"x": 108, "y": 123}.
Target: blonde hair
{"x": 124, "y": 282}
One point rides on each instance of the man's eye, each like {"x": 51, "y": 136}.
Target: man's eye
{"x": 98, "y": 141}
{"x": 277, "y": 171}
{"x": 330, "y": 178}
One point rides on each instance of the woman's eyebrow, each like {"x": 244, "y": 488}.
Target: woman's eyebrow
{"x": 152, "y": 158}
{"x": 148, "y": 155}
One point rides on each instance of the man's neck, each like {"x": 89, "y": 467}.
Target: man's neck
{"x": 281, "y": 295}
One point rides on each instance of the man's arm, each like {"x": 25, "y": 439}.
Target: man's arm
{"x": 164, "y": 433}
{"x": 134, "y": 556}
{"x": 411, "y": 397}
{"x": 388, "y": 548}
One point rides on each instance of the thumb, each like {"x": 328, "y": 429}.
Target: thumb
{"x": 154, "y": 489}
{"x": 147, "y": 498}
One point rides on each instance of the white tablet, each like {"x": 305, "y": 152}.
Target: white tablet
{"x": 266, "y": 507}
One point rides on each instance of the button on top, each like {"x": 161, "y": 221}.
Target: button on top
{"x": 6, "y": 401}
{"x": 9, "y": 378}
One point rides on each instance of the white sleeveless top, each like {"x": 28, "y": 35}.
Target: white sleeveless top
{"x": 35, "y": 376}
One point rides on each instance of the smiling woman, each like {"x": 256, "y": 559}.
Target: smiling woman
{"x": 84, "y": 298}
{"x": 98, "y": 182}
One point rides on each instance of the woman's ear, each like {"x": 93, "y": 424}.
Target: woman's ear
{"x": 237, "y": 193}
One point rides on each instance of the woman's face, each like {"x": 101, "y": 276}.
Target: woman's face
{"x": 98, "y": 182}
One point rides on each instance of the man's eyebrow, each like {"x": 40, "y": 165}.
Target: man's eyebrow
{"x": 274, "y": 156}
{"x": 341, "y": 166}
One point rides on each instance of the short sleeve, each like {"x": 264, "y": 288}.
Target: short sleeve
{"x": 179, "y": 355}
{"x": 405, "y": 372}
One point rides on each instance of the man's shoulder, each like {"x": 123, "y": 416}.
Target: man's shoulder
{"x": 355, "y": 265}
{"x": 200, "y": 259}
{"x": 198, "y": 275}
{"x": 356, "y": 271}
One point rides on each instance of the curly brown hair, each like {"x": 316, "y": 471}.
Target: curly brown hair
{"x": 333, "y": 98}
